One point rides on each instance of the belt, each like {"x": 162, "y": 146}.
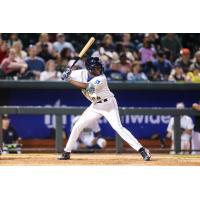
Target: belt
{"x": 104, "y": 100}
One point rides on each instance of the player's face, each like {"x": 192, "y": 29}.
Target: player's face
{"x": 96, "y": 71}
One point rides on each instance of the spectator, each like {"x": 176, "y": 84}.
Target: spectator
{"x": 115, "y": 62}
{"x": 60, "y": 44}
{"x": 125, "y": 63}
{"x": 105, "y": 56}
{"x": 113, "y": 73}
{"x": 107, "y": 43}
{"x": 126, "y": 41}
{"x": 177, "y": 74}
{"x": 20, "y": 54}
{"x": 121, "y": 49}
{"x": 11, "y": 66}
{"x": 44, "y": 53}
{"x": 35, "y": 64}
{"x": 194, "y": 75}
{"x": 12, "y": 39}
{"x": 3, "y": 50}
{"x": 162, "y": 65}
{"x": 196, "y": 132}
{"x": 184, "y": 61}
{"x": 153, "y": 39}
{"x": 136, "y": 74}
{"x": 187, "y": 126}
{"x": 50, "y": 74}
{"x": 146, "y": 52}
{"x": 10, "y": 137}
{"x": 151, "y": 71}
{"x": 196, "y": 63}
{"x": 62, "y": 61}
{"x": 44, "y": 42}
{"x": 171, "y": 42}
{"x": 90, "y": 137}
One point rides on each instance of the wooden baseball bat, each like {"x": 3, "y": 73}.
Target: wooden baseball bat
{"x": 84, "y": 50}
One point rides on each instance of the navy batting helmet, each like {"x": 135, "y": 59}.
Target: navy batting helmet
{"x": 93, "y": 63}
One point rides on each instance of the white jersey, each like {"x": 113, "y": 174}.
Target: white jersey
{"x": 186, "y": 123}
{"x": 97, "y": 89}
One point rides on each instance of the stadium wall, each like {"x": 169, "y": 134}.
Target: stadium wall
{"x": 59, "y": 94}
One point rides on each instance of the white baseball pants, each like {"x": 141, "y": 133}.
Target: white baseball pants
{"x": 185, "y": 142}
{"x": 109, "y": 110}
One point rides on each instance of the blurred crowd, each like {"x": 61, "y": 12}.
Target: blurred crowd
{"x": 126, "y": 57}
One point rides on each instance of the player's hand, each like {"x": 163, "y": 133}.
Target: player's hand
{"x": 65, "y": 74}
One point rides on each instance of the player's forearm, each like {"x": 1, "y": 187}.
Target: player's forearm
{"x": 79, "y": 85}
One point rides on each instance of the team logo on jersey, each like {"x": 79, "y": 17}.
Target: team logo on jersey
{"x": 97, "y": 82}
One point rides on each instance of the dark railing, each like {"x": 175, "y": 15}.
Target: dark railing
{"x": 177, "y": 113}
{"x": 114, "y": 85}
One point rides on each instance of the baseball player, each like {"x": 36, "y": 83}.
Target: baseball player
{"x": 89, "y": 137}
{"x": 187, "y": 126}
{"x": 93, "y": 84}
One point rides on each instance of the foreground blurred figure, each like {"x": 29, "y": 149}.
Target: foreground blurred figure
{"x": 10, "y": 137}
{"x": 187, "y": 126}
{"x": 196, "y": 132}
{"x": 89, "y": 138}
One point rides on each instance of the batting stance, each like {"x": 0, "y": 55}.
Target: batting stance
{"x": 94, "y": 86}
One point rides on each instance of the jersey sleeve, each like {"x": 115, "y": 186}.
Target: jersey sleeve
{"x": 79, "y": 75}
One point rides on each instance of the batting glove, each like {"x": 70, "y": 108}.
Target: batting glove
{"x": 66, "y": 74}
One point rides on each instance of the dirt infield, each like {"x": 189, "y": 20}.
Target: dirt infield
{"x": 99, "y": 159}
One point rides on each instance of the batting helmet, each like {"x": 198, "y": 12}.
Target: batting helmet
{"x": 93, "y": 63}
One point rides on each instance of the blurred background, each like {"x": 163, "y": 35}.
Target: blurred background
{"x": 133, "y": 57}
{"x": 143, "y": 70}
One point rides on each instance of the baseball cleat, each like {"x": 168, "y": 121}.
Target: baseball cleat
{"x": 65, "y": 156}
{"x": 145, "y": 153}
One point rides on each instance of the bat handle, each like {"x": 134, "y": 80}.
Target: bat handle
{"x": 76, "y": 60}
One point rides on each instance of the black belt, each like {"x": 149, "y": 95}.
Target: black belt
{"x": 104, "y": 100}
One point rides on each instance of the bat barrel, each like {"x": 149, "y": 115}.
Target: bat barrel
{"x": 86, "y": 47}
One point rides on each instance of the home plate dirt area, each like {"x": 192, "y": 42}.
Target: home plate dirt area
{"x": 99, "y": 159}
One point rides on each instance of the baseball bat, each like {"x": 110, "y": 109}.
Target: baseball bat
{"x": 84, "y": 50}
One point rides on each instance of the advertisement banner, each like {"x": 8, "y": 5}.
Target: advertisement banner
{"x": 142, "y": 126}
